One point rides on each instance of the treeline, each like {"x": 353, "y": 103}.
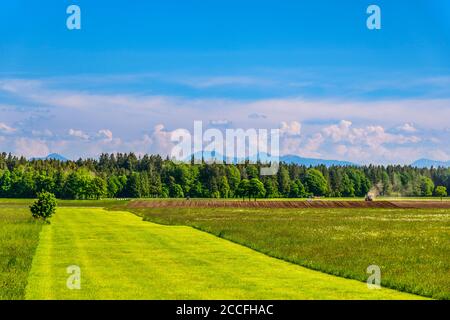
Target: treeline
{"x": 128, "y": 176}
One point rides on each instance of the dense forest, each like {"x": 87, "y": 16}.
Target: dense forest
{"x": 128, "y": 176}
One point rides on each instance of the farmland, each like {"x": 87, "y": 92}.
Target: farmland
{"x": 410, "y": 245}
{"x": 245, "y": 253}
{"x": 289, "y": 204}
{"x": 122, "y": 257}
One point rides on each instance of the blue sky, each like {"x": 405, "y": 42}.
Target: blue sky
{"x": 138, "y": 70}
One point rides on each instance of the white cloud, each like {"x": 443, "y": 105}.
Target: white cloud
{"x": 431, "y": 113}
{"x": 340, "y": 132}
{"x": 292, "y": 128}
{"x": 160, "y": 140}
{"x": 290, "y": 140}
{"x": 105, "y": 134}
{"x": 362, "y": 144}
{"x": 428, "y": 113}
{"x": 371, "y": 136}
{"x": 344, "y": 140}
{"x": 407, "y": 127}
{"x": 78, "y": 134}
{"x": 370, "y": 131}
{"x": 311, "y": 148}
{"x": 4, "y": 128}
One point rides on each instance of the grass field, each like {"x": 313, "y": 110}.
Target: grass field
{"x": 123, "y": 257}
{"x": 412, "y": 247}
{"x": 19, "y": 237}
{"x": 103, "y": 203}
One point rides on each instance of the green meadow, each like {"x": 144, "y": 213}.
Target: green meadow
{"x": 123, "y": 257}
{"x": 244, "y": 253}
{"x": 412, "y": 247}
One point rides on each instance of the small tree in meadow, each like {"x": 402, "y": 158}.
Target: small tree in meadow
{"x": 441, "y": 191}
{"x": 44, "y": 207}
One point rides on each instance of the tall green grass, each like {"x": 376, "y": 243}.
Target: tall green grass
{"x": 103, "y": 203}
{"x": 19, "y": 237}
{"x": 412, "y": 247}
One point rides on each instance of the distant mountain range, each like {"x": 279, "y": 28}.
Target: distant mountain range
{"x": 263, "y": 157}
{"x": 421, "y": 163}
{"x": 53, "y": 156}
{"x": 314, "y": 162}
{"x": 427, "y": 163}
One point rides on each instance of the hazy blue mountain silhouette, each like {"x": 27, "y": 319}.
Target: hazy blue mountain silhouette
{"x": 314, "y": 162}
{"x": 53, "y": 156}
{"x": 264, "y": 157}
{"x": 427, "y": 163}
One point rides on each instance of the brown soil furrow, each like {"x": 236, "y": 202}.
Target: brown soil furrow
{"x": 288, "y": 204}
